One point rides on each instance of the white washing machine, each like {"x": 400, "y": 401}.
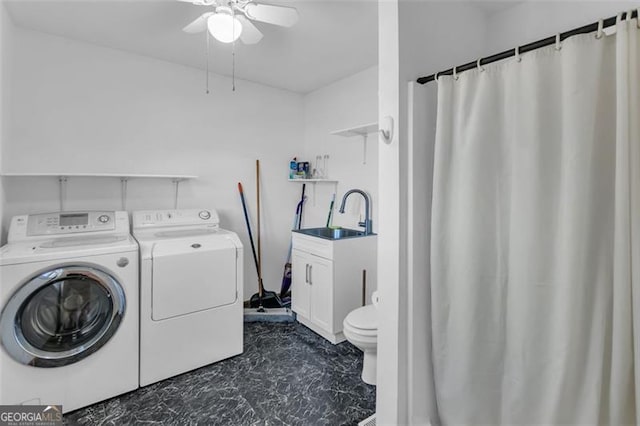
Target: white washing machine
{"x": 191, "y": 311}
{"x": 69, "y": 300}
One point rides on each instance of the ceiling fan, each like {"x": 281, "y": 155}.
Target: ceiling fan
{"x": 231, "y": 19}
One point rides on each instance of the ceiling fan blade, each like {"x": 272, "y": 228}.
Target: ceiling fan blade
{"x": 198, "y": 2}
{"x": 277, "y": 15}
{"x": 250, "y": 34}
{"x": 199, "y": 25}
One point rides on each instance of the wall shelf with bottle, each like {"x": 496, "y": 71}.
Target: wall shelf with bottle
{"x": 310, "y": 171}
{"x": 124, "y": 178}
{"x": 363, "y": 130}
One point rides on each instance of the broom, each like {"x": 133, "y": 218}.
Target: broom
{"x": 262, "y": 299}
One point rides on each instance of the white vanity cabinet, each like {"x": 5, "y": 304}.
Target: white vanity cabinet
{"x": 327, "y": 280}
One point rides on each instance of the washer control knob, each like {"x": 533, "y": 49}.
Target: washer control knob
{"x": 103, "y": 218}
{"x": 204, "y": 215}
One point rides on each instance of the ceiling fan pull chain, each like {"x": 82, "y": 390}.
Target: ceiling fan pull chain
{"x": 233, "y": 55}
{"x": 207, "y": 78}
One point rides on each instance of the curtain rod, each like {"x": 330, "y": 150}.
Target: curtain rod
{"x": 529, "y": 47}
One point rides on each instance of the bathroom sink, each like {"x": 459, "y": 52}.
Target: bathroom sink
{"x": 332, "y": 234}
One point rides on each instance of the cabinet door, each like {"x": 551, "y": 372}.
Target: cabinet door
{"x": 300, "y": 291}
{"x": 320, "y": 279}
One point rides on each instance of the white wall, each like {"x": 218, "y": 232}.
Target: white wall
{"x": 6, "y": 51}
{"x": 83, "y": 108}
{"x": 346, "y": 103}
{"x": 390, "y": 377}
{"x": 415, "y": 39}
{"x": 534, "y": 20}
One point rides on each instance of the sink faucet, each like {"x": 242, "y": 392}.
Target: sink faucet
{"x": 367, "y": 224}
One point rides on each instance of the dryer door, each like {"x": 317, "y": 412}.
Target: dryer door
{"x": 192, "y": 275}
{"x": 62, "y": 316}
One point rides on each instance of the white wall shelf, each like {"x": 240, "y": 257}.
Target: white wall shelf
{"x": 313, "y": 187}
{"x": 106, "y": 175}
{"x": 363, "y": 131}
{"x": 124, "y": 178}
{"x": 313, "y": 180}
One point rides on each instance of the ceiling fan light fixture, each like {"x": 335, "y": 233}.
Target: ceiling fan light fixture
{"x": 224, "y": 27}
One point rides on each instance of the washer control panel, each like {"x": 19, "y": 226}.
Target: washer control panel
{"x": 185, "y": 217}
{"x": 70, "y": 222}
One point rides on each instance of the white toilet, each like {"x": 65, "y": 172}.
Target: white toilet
{"x": 361, "y": 330}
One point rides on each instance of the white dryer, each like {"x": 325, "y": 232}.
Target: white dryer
{"x": 191, "y": 309}
{"x": 69, "y": 300}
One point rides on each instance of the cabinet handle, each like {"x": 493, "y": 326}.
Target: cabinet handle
{"x": 310, "y": 277}
{"x": 306, "y": 276}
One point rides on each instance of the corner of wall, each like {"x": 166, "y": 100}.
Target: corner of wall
{"x": 390, "y": 404}
{"x": 6, "y": 41}
{"x": 349, "y": 102}
{"x": 416, "y": 39}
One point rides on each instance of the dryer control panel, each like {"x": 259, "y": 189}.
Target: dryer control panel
{"x": 184, "y": 217}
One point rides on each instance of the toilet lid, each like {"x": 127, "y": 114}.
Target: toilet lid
{"x": 365, "y": 318}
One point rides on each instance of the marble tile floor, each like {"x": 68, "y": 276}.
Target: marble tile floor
{"x": 287, "y": 375}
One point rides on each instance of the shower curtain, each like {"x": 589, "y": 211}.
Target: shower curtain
{"x": 536, "y": 237}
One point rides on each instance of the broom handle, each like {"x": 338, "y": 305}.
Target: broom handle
{"x": 246, "y": 219}
{"x": 259, "y": 239}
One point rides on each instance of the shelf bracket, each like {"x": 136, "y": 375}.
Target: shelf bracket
{"x": 62, "y": 182}
{"x": 123, "y": 192}
{"x": 364, "y": 148}
{"x": 176, "y": 183}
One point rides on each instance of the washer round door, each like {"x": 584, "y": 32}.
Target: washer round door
{"x": 62, "y": 316}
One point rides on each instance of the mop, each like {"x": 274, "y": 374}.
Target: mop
{"x": 286, "y": 277}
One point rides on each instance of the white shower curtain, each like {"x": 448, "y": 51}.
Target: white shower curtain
{"x": 536, "y": 237}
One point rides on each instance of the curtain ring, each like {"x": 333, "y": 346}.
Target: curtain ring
{"x": 518, "y": 58}
{"x": 436, "y": 77}
{"x": 455, "y": 73}
{"x": 558, "y": 44}
{"x": 629, "y": 14}
{"x": 600, "y": 29}
{"x": 479, "y": 65}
